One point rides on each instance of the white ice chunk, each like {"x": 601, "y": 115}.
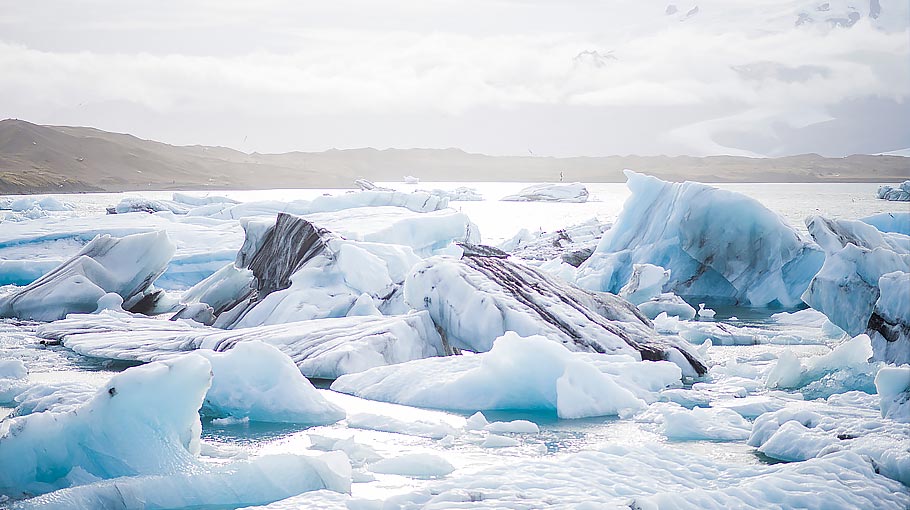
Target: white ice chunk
{"x": 143, "y": 421}
{"x": 551, "y": 192}
{"x": 893, "y": 385}
{"x": 13, "y": 369}
{"x": 530, "y": 373}
{"x": 646, "y": 282}
{"x": 712, "y": 423}
{"x": 258, "y": 382}
{"x": 260, "y": 481}
{"x": 126, "y": 266}
{"x": 418, "y": 465}
{"x": 324, "y": 348}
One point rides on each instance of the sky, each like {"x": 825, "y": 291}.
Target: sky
{"x": 502, "y": 77}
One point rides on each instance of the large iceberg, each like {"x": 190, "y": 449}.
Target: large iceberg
{"x": 124, "y": 266}
{"x": 480, "y": 296}
{"x": 717, "y": 244}
{"x": 551, "y": 192}
{"x": 530, "y": 373}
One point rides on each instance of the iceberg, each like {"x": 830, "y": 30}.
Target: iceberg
{"x": 846, "y": 367}
{"x": 481, "y": 296}
{"x": 833, "y": 235}
{"x": 143, "y": 421}
{"x": 893, "y": 386}
{"x": 31, "y": 249}
{"x": 459, "y": 194}
{"x": 258, "y": 382}
{"x": 667, "y": 303}
{"x": 124, "y": 266}
{"x": 897, "y": 222}
{"x": 646, "y": 282}
{"x": 571, "y": 245}
{"x": 416, "y": 202}
{"x": 519, "y": 373}
{"x": 551, "y": 192}
{"x": 848, "y": 289}
{"x": 701, "y": 423}
{"x": 181, "y": 204}
{"x": 293, "y": 269}
{"x": 717, "y": 244}
{"x": 901, "y": 193}
{"x": 324, "y": 348}
{"x": 260, "y": 481}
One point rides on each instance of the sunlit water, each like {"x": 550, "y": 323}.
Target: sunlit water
{"x": 497, "y": 221}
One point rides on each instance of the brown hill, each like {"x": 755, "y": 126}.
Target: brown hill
{"x": 41, "y": 159}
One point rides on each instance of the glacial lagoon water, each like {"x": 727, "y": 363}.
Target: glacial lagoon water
{"x": 498, "y": 221}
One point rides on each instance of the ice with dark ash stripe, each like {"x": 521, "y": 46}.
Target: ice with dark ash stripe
{"x": 478, "y": 297}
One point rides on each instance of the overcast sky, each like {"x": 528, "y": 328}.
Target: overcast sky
{"x": 573, "y": 77}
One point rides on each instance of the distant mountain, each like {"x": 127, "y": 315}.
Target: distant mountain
{"x": 43, "y": 159}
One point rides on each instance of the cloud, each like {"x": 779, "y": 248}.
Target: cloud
{"x": 766, "y": 70}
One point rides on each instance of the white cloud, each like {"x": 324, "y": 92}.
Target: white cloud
{"x": 660, "y": 62}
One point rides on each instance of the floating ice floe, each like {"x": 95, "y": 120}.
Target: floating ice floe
{"x": 845, "y": 368}
{"x": 459, "y": 194}
{"x": 415, "y": 202}
{"x": 258, "y": 382}
{"x": 893, "y": 387}
{"x": 30, "y": 249}
{"x": 124, "y": 266}
{"x": 864, "y": 285}
{"x": 142, "y": 429}
{"x": 711, "y": 423}
{"x": 259, "y": 481}
{"x": 530, "y": 373}
{"x": 901, "y": 193}
{"x": 325, "y": 348}
{"x": 551, "y": 192}
{"x": 571, "y": 245}
{"x": 619, "y": 476}
{"x": 716, "y": 243}
{"x": 481, "y": 296}
{"x": 844, "y": 422}
{"x": 897, "y": 222}
{"x": 144, "y": 421}
{"x": 34, "y": 203}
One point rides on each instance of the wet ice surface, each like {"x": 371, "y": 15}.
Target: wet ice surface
{"x": 371, "y": 436}
{"x": 397, "y": 451}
